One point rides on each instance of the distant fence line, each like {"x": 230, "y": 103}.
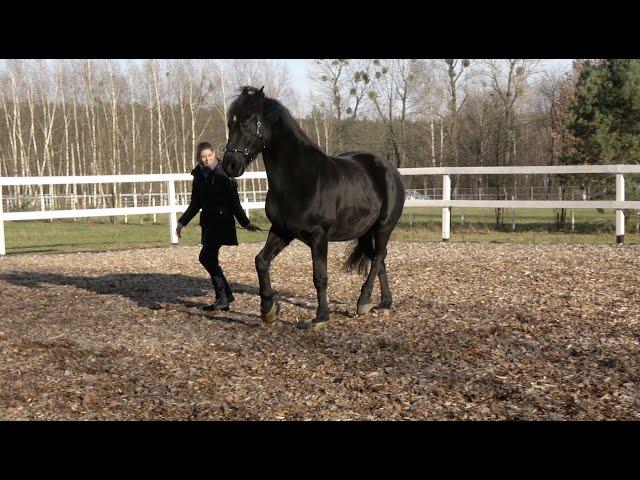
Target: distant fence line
{"x": 48, "y": 201}
{"x": 172, "y": 207}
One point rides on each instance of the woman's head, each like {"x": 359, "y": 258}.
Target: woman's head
{"x": 205, "y": 153}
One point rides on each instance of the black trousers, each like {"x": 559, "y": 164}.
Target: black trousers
{"x": 209, "y": 260}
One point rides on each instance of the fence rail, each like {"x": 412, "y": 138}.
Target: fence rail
{"x": 53, "y": 201}
{"x": 446, "y": 203}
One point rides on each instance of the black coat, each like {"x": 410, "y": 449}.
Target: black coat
{"x": 217, "y": 196}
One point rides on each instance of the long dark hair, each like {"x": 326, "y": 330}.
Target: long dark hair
{"x": 203, "y": 146}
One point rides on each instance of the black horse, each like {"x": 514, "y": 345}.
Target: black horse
{"x": 315, "y": 198}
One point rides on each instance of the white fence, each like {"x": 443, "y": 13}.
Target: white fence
{"x": 620, "y": 205}
{"x": 172, "y": 207}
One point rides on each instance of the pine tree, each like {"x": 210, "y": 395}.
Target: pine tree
{"x": 604, "y": 117}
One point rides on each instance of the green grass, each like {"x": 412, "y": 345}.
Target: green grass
{"x": 527, "y": 219}
{"x": 100, "y": 234}
{"x": 416, "y": 224}
{"x": 533, "y": 225}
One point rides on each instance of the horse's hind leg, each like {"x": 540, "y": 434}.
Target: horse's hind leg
{"x": 272, "y": 247}
{"x": 385, "y": 297}
{"x": 378, "y": 269}
{"x": 319, "y": 244}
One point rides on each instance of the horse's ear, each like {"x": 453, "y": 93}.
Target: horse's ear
{"x": 261, "y": 90}
{"x": 245, "y": 91}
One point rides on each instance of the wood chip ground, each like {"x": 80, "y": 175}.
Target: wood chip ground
{"x": 477, "y": 331}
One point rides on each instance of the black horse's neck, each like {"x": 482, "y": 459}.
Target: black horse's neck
{"x": 290, "y": 155}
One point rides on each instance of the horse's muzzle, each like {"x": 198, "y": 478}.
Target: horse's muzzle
{"x": 232, "y": 165}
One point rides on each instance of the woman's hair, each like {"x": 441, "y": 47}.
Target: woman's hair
{"x": 203, "y": 146}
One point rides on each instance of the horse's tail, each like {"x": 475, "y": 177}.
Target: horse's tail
{"x": 360, "y": 256}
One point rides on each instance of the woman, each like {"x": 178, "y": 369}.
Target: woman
{"x": 217, "y": 195}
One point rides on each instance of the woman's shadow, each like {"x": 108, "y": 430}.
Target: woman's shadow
{"x": 150, "y": 290}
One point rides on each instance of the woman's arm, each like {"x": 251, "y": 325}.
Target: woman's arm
{"x": 193, "y": 208}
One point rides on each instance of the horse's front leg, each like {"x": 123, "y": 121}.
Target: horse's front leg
{"x": 272, "y": 247}
{"x": 319, "y": 247}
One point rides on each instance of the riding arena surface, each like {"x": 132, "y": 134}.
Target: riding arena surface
{"x": 477, "y": 331}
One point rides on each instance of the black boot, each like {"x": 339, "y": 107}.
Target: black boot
{"x": 222, "y": 303}
{"x": 227, "y": 290}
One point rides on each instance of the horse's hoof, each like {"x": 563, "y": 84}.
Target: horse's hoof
{"x": 364, "y": 309}
{"x": 270, "y": 316}
{"x": 312, "y": 325}
{"x": 318, "y": 325}
{"x": 384, "y": 306}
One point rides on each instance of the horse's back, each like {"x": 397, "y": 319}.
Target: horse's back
{"x": 363, "y": 157}
{"x": 370, "y": 161}
{"x": 376, "y": 166}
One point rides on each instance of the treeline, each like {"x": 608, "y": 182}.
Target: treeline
{"x": 89, "y": 117}
{"x": 92, "y": 117}
{"x": 450, "y": 112}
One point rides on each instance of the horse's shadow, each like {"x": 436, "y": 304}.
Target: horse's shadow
{"x": 149, "y": 290}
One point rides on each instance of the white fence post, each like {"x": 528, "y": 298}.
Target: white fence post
{"x": 173, "y": 221}
{"x": 2, "y": 246}
{"x": 619, "y": 213}
{"x": 446, "y": 211}
{"x": 246, "y": 200}
{"x": 74, "y": 205}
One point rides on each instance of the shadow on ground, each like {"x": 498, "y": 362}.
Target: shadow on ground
{"x": 150, "y": 290}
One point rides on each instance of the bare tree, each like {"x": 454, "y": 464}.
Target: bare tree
{"x": 360, "y": 74}
{"x": 330, "y": 79}
{"x": 68, "y": 169}
{"x": 508, "y": 79}
{"x": 477, "y": 126}
{"x": 395, "y": 97}
{"x": 11, "y": 122}
{"x": 456, "y": 68}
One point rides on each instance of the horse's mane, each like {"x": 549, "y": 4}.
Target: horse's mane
{"x": 274, "y": 111}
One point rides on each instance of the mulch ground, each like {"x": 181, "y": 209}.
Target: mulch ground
{"x": 478, "y": 331}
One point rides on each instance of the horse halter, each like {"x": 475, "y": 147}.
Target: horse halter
{"x": 246, "y": 151}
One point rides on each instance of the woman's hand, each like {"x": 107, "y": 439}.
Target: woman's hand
{"x": 179, "y": 230}
{"x": 251, "y": 227}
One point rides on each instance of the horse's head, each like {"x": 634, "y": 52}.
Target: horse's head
{"x": 247, "y": 131}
